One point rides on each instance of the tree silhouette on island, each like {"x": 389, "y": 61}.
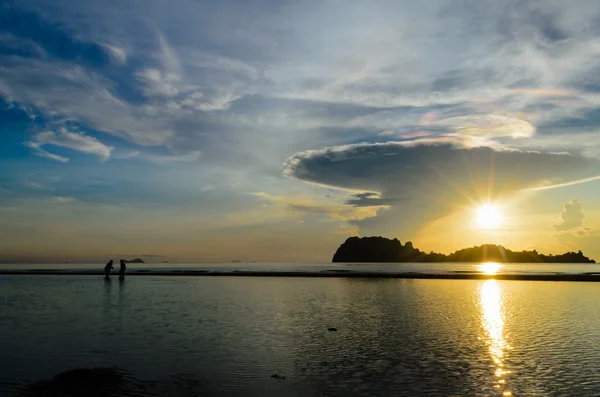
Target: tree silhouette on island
{"x": 381, "y": 249}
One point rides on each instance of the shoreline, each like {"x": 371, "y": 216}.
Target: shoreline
{"x": 581, "y": 277}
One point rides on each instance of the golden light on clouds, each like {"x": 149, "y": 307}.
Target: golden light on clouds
{"x": 517, "y": 226}
{"x": 484, "y": 125}
{"x": 306, "y": 205}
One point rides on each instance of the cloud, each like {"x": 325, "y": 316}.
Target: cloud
{"x": 488, "y": 126}
{"x": 386, "y": 133}
{"x": 71, "y": 140}
{"x": 370, "y": 199}
{"x": 331, "y": 210}
{"x": 241, "y": 87}
{"x": 412, "y": 135}
{"x": 118, "y": 54}
{"x": 571, "y": 216}
{"x": 48, "y": 38}
{"x": 583, "y": 232}
{"x": 552, "y": 93}
{"x": 159, "y": 83}
{"x": 166, "y": 158}
{"x": 146, "y": 257}
{"x": 127, "y": 155}
{"x": 37, "y": 186}
{"x": 409, "y": 167}
{"x": 548, "y": 184}
{"x": 421, "y": 180}
{"x": 38, "y": 151}
{"x": 62, "y": 200}
{"x": 198, "y": 85}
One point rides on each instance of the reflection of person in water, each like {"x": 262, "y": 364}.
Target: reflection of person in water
{"x": 122, "y": 269}
{"x": 107, "y": 268}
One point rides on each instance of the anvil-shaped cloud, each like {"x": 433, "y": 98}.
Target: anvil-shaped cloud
{"x": 434, "y": 175}
{"x": 428, "y": 166}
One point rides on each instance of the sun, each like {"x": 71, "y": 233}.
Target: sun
{"x": 488, "y": 216}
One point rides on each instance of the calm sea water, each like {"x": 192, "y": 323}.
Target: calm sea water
{"x": 429, "y": 268}
{"x": 229, "y": 335}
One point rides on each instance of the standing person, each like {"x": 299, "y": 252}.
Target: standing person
{"x": 122, "y": 269}
{"x": 107, "y": 268}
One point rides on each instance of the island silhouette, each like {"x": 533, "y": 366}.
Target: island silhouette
{"x": 381, "y": 249}
{"x": 136, "y": 260}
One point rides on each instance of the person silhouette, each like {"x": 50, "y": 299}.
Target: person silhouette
{"x": 122, "y": 269}
{"x": 107, "y": 268}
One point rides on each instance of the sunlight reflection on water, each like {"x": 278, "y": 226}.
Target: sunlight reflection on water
{"x": 489, "y": 267}
{"x": 493, "y": 322}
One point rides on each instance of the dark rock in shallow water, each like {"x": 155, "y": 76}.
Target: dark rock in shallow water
{"x": 112, "y": 382}
{"x": 89, "y": 377}
{"x": 332, "y": 329}
{"x": 80, "y": 382}
{"x": 278, "y": 377}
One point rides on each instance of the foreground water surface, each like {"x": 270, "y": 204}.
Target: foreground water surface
{"x": 231, "y": 335}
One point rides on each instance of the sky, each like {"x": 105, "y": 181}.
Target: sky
{"x": 263, "y": 130}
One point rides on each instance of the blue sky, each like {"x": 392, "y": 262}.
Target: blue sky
{"x": 201, "y": 130}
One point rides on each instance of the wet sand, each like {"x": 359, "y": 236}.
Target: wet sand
{"x": 583, "y": 277}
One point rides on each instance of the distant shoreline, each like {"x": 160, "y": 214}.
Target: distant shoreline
{"x": 582, "y": 277}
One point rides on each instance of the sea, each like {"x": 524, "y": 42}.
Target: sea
{"x": 76, "y": 334}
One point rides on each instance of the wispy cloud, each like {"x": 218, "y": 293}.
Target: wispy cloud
{"x": 412, "y": 135}
{"x": 310, "y": 206}
{"x": 62, "y": 200}
{"x": 174, "y": 92}
{"x": 70, "y": 140}
{"x": 38, "y": 151}
{"x": 37, "y": 186}
{"x": 118, "y": 54}
{"x": 167, "y": 158}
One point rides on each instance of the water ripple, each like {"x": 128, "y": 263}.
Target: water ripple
{"x": 192, "y": 336}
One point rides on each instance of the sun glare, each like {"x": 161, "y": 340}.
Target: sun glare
{"x": 489, "y": 267}
{"x": 488, "y": 216}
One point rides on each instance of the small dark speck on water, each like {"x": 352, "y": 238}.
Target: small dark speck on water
{"x": 278, "y": 377}
{"x": 332, "y": 329}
